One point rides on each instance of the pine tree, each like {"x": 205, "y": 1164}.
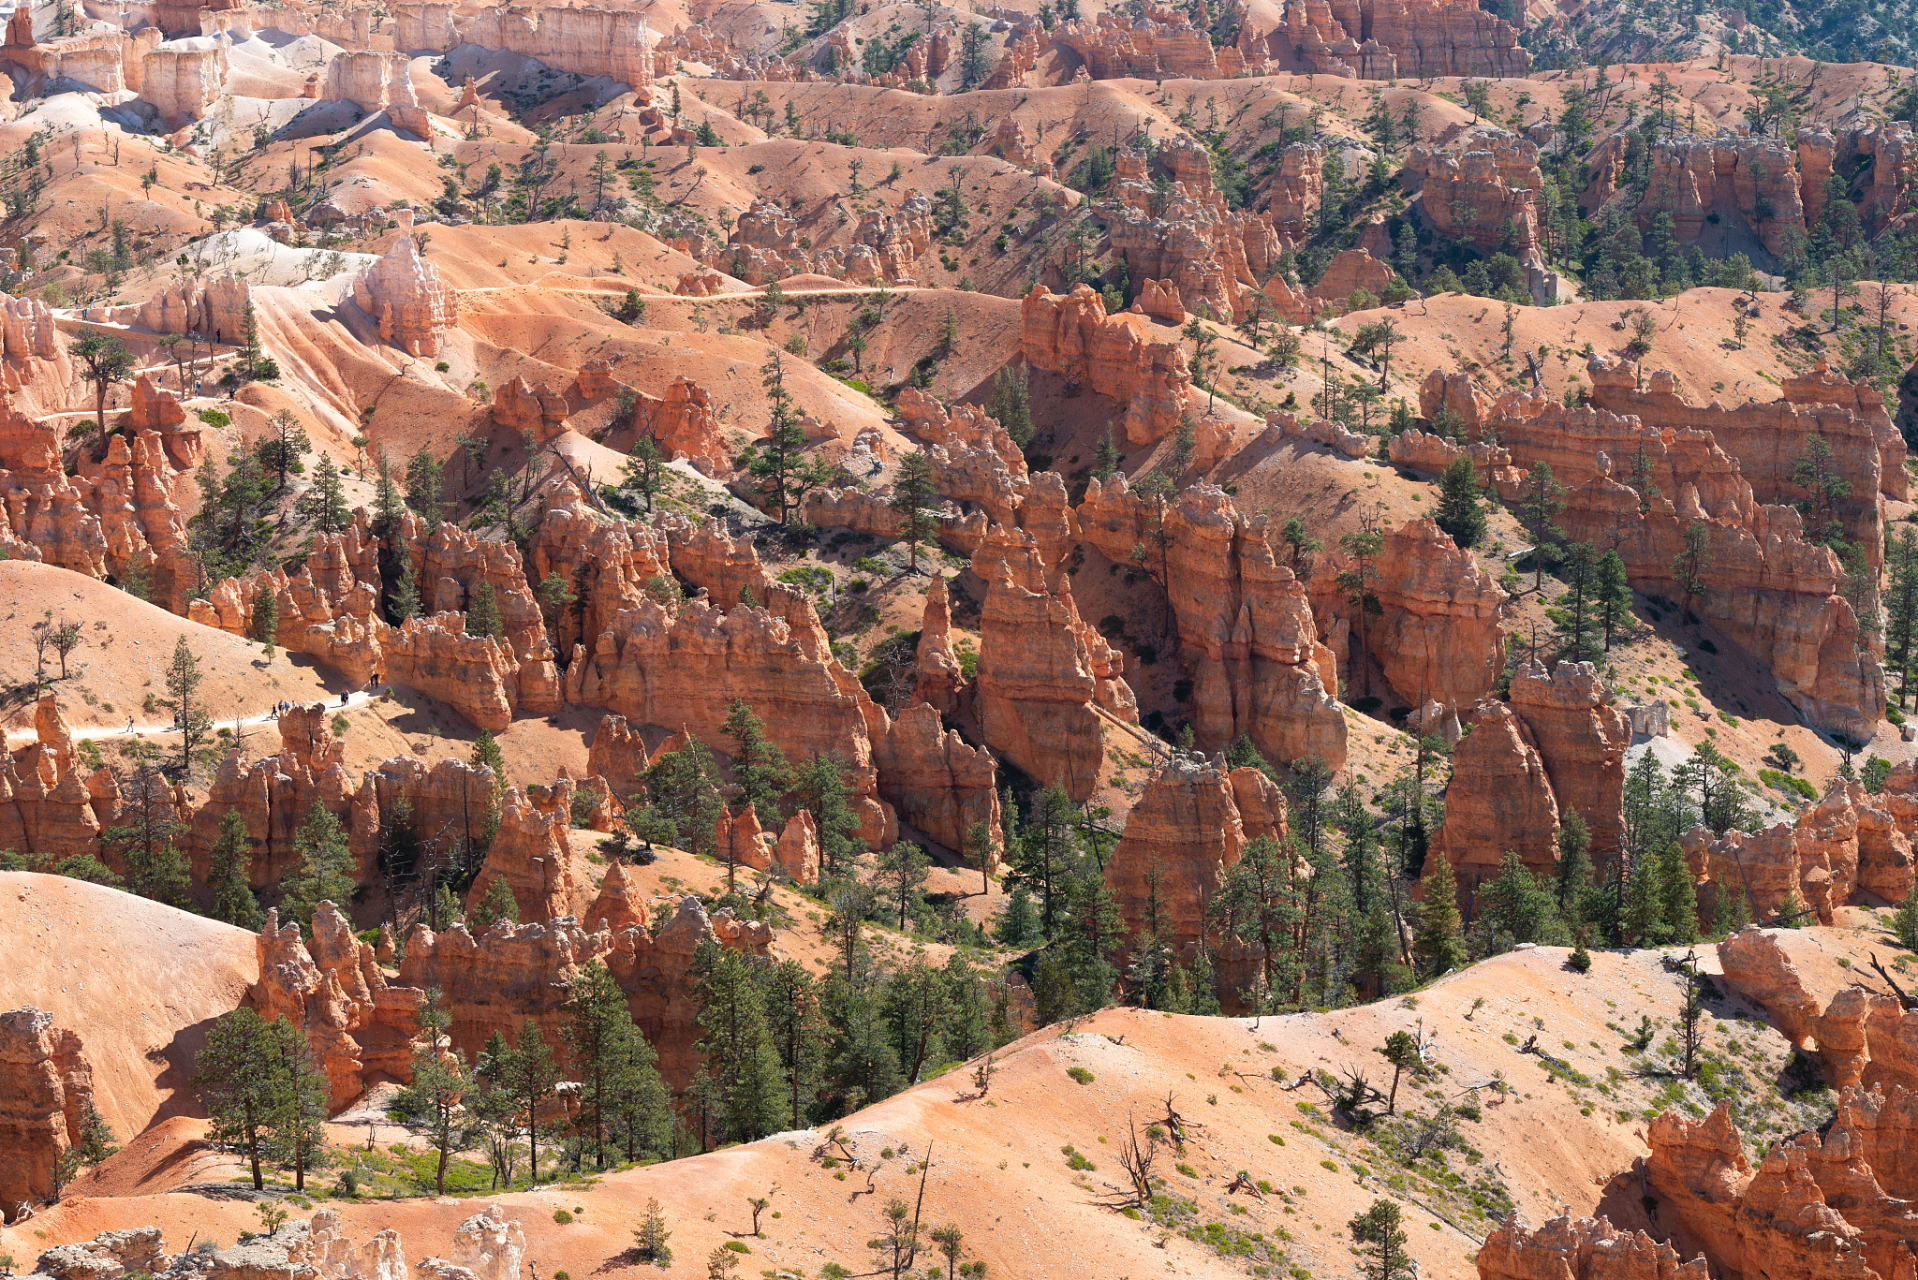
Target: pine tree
{"x": 1460, "y": 513}
{"x": 760, "y": 772}
{"x": 1437, "y": 941}
{"x": 1611, "y": 597}
{"x": 1046, "y": 854}
{"x": 322, "y": 871}
{"x": 387, "y": 506}
{"x": 913, "y": 496}
{"x": 793, "y": 1015}
{"x": 229, "y": 874}
{"x": 820, "y": 787}
{"x": 649, "y": 1242}
{"x": 1383, "y": 1254}
{"x": 1679, "y": 895}
{"x": 530, "y": 1074}
{"x": 1012, "y": 405}
{"x": 1574, "y": 868}
{"x": 737, "y": 1043}
{"x": 440, "y": 1080}
{"x": 599, "y": 1031}
{"x": 323, "y": 505}
{"x": 1259, "y": 907}
{"x": 1644, "y": 913}
{"x": 1106, "y": 458}
{"x": 241, "y": 1077}
{"x": 482, "y": 615}
{"x": 145, "y": 834}
{"x": 263, "y": 619}
{"x": 425, "y": 487}
{"x": 190, "y": 719}
{"x": 1904, "y": 923}
{"x": 405, "y": 602}
{"x": 1538, "y": 506}
{"x": 497, "y": 903}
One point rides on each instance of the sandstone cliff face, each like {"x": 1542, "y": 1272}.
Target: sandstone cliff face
{"x": 1765, "y": 187}
{"x": 516, "y": 972}
{"x": 530, "y": 853}
{"x": 1391, "y": 39}
{"x": 1047, "y": 680}
{"x": 404, "y": 292}
{"x": 1581, "y": 739}
{"x": 1439, "y": 636}
{"x": 1187, "y": 236}
{"x": 1160, "y": 41}
{"x": 1114, "y": 356}
{"x": 937, "y": 782}
{"x": 940, "y": 675}
{"x": 1482, "y": 187}
{"x": 45, "y": 1083}
{"x": 1581, "y": 1249}
{"x": 182, "y": 79}
{"x": 587, "y": 41}
{"x": 1774, "y": 593}
{"x": 335, "y": 992}
{"x": 1830, "y": 1205}
{"x": 1500, "y": 799}
{"x": 1186, "y": 830}
{"x": 1246, "y": 632}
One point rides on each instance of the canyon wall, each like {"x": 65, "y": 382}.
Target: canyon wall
{"x": 586, "y": 41}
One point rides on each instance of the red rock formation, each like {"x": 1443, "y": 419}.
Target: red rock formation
{"x": 516, "y": 972}
{"x": 1500, "y": 800}
{"x": 404, "y": 292}
{"x": 885, "y": 244}
{"x": 475, "y": 675}
{"x": 1046, "y": 679}
{"x": 1185, "y": 831}
{"x": 1581, "y": 1249}
{"x": 740, "y": 839}
{"x": 936, "y": 781}
{"x": 45, "y": 1084}
{"x": 1401, "y": 39}
{"x": 1439, "y": 636}
{"x": 334, "y": 991}
{"x": 1115, "y": 356}
{"x": 520, "y": 407}
{"x": 1297, "y": 191}
{"x": 683, "y": 665}
{"x": 1186, "y": 235}
{"x": 1773, "y": 593}
{"x": 797, "y": 854}
{"x": 1460, "y": 394}
{"x": 1160, "y": 42}
{"x": 1840, "y": 1204}
{"x": 940, "y": 675}
{"x": 530, "y": 853}
{"x": 1581, "y": 737}
{"x": 1861, "y": 1037}
{"x": 618, "y": 754}
{"x": 1481, "y": 186}
{"x": 1246, "y": 633}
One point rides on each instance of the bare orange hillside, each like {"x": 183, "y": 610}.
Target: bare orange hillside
{"x": 136, "y": 980}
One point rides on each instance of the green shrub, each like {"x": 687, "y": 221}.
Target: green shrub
{"x": 1081, "y": 1075}
{"x": 562, "y": 1217}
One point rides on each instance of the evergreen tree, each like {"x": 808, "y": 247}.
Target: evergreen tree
{"x": 1046, "y": 854}
{"x": 649, "y": 1241}
{"x": 263, "y": 618}
{"x": 1521, "y": 904}
{"x": 440, "y": 1081}
{"x": 1575, "y": 618}
{"x": 820, "y": 788}
{"x": 190, "y": 719}
{"x": 913, "y": 496}
{"x": 779, "y": 463}
{"x": 1611, "y": 597}
{"x": 1644, "y": 910}
{"x": 1106, "y": 458}
{"x": 1012, "y": 405}
{"x": 1678, "y": 894}
{"x": 1690, "y": 564}
{"x": 530, "y": 1074}
{"x": 144, "y": 834}
{"x": 496, "y": 904}
{"x": 322, "y": 871}
{"x": 681, "y": 802}
{"x": 1259, "y": 907}
{"x": 405, "y": 602}
{"x": 240, "y": 1076}
{"x": 760, "y": 773}
{"x": 737, "y": 1043}
{"x": 426, "y": 486}
{"x": 482, "y": 615}
{"x": 916, "y": 1002}
{"x": 901, "y": 871}
{"x": 1383, "y": 1254}
{"x": 1538, "y": 506}
{"x": 793, "y": 1015}
{"x": 1460, "y": 512}
{"x": 387, "y": 505}
{"x": 323, "y": 505}
{"x": 861, "y": 1065}
{"x": 1901, "y": 607}
{"x": 1574, "y": 868}
{"x": 1018, "y": 924}
{"x": 229, "y": 874}
{"x": 599, "y": 1028}
{"x": 1904, "y": 923}
{"x": 1438, "y": 942}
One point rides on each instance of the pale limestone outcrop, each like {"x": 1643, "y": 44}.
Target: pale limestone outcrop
{"x": 1047, "y": 681}
{"x": 587, "y": 41}
{"x": 405, "y": 293}
{"x": 182, "y": 79}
